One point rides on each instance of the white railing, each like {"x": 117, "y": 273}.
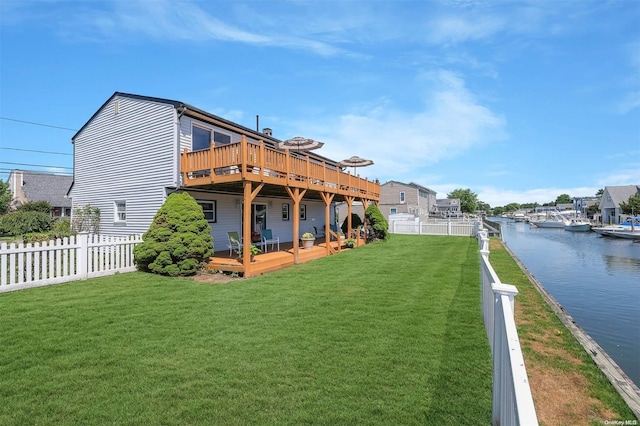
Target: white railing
{"x": 456, "y": 228}
{"x": 62, "y": 260}
{"x": 512, "y": 400}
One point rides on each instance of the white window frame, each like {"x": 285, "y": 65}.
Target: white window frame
{"x": 120, "y": 214}
{"x": 403, "y": 197}
{"x": 213, "y": 209}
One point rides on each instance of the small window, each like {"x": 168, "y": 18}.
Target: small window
{"x": 121, "y": 211}
{"x": 402, "y": 196}
{"x": 201, "y": 138}
{"x": 209, "y": 210}
{"x": 303, "y": 212}
{"x": 221, "y": 138}
{"x": 393, "y": 210}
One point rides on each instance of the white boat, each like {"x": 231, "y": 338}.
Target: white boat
{"x": 553, "y": 219}
{"x": 578, "y": 225}
{"x": 629, "y": 225}
{"x": 629, "y": 229}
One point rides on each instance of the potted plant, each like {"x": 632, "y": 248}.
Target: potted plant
{"x": 253, "y": 251}
{"x": 351, "y": 243}
{"x": 307, "y": 240}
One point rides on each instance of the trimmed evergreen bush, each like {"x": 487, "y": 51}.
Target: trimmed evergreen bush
{"x": 377, "y": 225}
{"x": 36, "y": 206}
{"x": 178, "y": 241}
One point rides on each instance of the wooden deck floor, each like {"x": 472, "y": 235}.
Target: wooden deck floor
{"x": 272, "y": 260}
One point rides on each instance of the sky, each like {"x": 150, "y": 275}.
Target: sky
{"x": 518, "y": 101}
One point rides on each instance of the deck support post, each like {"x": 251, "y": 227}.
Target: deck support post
{"x": 249, "y": 195}
{"x": 296, "y": 195}
{"x": 327, "y": 198}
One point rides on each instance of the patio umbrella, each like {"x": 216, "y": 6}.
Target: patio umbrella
{"x": 300, "y": 143}
{"x": 355, "y": 162}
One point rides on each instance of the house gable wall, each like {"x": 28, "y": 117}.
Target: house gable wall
{"x": 417, "y": 201}
{"x": 127, "y": 152}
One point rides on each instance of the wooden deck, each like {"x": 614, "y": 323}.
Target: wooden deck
{"x": 275, "y": 260}
{"x": 230, "y": 164}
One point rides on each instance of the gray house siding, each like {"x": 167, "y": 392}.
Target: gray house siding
{"x": 127, "y": 152}
{"x": 418, "y": 200}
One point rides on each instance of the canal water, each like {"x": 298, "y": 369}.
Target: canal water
{"x": 596, "y": 279}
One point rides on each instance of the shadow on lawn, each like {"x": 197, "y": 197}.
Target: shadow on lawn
{"x": 463, "y": 384}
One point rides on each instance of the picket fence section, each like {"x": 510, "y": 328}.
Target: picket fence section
{"x": 62, "y": 260}
{"x": 512, "y": 399}
{"x": 450, "y": 227}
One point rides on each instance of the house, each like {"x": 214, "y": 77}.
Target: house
{"x": 135, "y": 150}
{"x": 448, "y": 207}
{"x": 31, "y": 186}
{"x": 611, "y": 199}
{"x": 398, "y": 197}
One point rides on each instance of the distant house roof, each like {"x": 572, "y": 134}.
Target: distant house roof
{"x": 410, "y": 184}
{"x": 620, "y": 194}
{"x": 47, "y": 187}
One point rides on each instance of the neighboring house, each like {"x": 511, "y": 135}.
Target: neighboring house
{"x": 448, "y": 207}
{"x": 31, "y": 186}
{"x": 611, "y": 199}
{"x": 397, "y": 197}
{"x": 135, "y": 150}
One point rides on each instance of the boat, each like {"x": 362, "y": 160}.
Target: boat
{"x": 553, "y": 219}
{"x": 629, "y": 235}
{"x": 625, "y": 226}
{"x": 630, "y": 229}
{"x": 578, "y": 225}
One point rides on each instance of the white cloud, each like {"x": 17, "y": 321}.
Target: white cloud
{"x": 452, "y": 122}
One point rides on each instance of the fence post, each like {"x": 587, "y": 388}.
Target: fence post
{"x": 449, "y": 227}
{"x": 83, "y": 255}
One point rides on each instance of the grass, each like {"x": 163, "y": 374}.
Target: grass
{"x": 551, "y": 350}
{"x": 387, "y": 334}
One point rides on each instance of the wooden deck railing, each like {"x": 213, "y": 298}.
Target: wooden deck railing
{"x": 249, "y": 161}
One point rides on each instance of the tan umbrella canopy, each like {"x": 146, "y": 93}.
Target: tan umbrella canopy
{"x": 300, "y": 144}
{"x": 355, "y": 162}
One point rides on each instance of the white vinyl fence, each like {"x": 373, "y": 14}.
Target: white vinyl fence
{"x": 62, "y": 260}
{"x": 512, "y": 400}
{"x": 451, "y": 227}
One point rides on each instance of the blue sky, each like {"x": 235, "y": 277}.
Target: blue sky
{"x": 519, "y": 101}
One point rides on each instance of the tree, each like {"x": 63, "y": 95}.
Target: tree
{"x": 377, "y": 225}
{"x": 564, "y": 199}
{"x": 632, "y": 206}
{"x": 468, "y": 200}
{"x": 355, "y": 222}
{"x": 178, "y": 241}
{"x": 5, "y": 197}
{"x": 600, "y": 192}
{"x": 485, "y": 207}
{"x": 512, "y": 207}
{"x": 86, "y": 219}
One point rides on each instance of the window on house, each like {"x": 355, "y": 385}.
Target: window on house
{"x": 393, "y": 210}
{"x": 402, "y": 196}
{"x": 209, "y": 210}
{"x": 121, "y": 211}
{"x": 221, "y": 138}
{"x": 201, "y": 138}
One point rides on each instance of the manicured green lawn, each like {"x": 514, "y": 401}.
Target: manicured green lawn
{"x": 390, "y": 333}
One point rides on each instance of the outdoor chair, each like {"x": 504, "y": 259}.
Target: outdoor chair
{"x": 268, "y": 238}
{"x": 235, "y": 242}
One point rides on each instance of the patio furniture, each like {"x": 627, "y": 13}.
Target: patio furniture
{"x": 235, "y": 242}
{"x": 268, "y": 238}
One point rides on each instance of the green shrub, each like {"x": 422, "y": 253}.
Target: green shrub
{"x": 61, "y": 228}
{"x": 178, "y": 241}
{"x": 36, "y": 206}
{"x": 24, "y": 222}
{"x": 355, "y": 222}
{"x": 377, "y": 225}
{"x": 38, "y": 237}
